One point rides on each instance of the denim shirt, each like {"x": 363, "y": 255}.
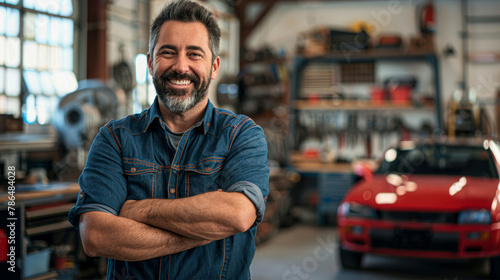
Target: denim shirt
{"x": 131, "y": 158}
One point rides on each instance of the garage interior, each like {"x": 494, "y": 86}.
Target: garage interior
{"x": 332, "y": 83}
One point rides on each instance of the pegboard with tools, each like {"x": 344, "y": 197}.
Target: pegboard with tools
{"x": 362, "y": 72}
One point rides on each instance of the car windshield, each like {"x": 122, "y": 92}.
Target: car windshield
{"x": 439, "y": 159}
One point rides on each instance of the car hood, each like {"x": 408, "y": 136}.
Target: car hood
{"x": 425, "y": 192}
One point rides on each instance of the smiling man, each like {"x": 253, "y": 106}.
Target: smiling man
{"x": 176, "y": 192}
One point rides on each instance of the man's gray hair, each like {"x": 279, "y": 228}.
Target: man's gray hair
{"x": 187, "y": 11}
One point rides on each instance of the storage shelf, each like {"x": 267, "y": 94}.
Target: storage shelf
{"x": 26, "y": 142}
{"x": 484, "y": 57}
{"x": 372, "y": 55}
{"x": 481, "y": 35}
{"x": 300, "y": 63}
{"x": 50, "y": 211}
{"x": 49, "y": 228}
{"x": 483, "y": 19}
{"x": 489, "y": 102}
{"x": 302, "y": 163}
{"x": 46, "y": 276}
{"x": 490, "y": 23}
{"x": 360, "y": 105}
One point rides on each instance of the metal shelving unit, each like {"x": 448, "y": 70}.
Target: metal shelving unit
{"x": 301, "y": 62}
{"x": 480, "y": 27}
{"x": 468, "y": 56}
{"x": 334, "y": 179}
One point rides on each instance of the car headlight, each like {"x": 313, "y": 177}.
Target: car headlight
{"x": 356, "y": 210}
{"x": 482, "y": 216}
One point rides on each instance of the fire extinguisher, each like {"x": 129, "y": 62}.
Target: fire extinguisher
{"x": 427, "y": 18}
{"x": 3, "y": 246}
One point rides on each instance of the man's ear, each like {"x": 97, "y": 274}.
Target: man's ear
{"x": 150, "y": 65}
{"x": 215, "y": 67}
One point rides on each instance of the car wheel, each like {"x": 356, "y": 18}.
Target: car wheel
{"x": 495, "y": 267}
{"x": 350, "y": 259}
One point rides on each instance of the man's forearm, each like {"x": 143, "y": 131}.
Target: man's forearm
{"x": 106, "y": 235}
{"x": 212, "y": 215}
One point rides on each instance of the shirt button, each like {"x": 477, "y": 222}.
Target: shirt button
{"x": 172, "y": 191}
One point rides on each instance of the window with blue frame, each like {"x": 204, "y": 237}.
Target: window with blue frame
{"x": 36, "y": 50}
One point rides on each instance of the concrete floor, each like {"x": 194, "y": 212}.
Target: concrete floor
{"x": 308, "y": 252}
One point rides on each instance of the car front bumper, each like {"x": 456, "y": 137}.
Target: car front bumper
{"x": 421, "y": 240}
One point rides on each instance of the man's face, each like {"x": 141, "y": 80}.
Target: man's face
{"x": 181, "y": 65}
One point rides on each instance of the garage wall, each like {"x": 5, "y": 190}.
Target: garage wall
{"x": 283, "y": 24}
{"x": 127, "y": 35}
{"x": 128, "y": 24}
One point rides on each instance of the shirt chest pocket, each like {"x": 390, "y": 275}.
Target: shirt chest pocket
{"x": 203, "y": 176}
{"x": 141, "y": 179}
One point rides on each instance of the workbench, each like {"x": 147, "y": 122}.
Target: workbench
{"x": 330, "y": 182}
{"x": 38, "y": 214}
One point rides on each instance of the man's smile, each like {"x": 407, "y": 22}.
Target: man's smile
{"x": 180, "y": 82}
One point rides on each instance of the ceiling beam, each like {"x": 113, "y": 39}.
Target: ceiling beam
{"x": 246, "y": 27}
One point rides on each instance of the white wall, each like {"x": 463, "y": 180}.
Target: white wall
{"x": 128, "y": 25}
{"x": 127, "y": 35}
{"x": 282, "y": 25}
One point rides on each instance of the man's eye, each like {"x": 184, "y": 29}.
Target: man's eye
{"x": 196, "y": 54}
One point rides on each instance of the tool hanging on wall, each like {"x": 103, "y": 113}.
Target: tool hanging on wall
{"x": 124, "y": 78}
{"x": 463, "y": 114}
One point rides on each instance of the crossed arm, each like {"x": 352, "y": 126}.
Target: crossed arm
{"x": 151, "y": 228}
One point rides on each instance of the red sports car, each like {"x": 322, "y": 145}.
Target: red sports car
{"x": 436, "y": 200}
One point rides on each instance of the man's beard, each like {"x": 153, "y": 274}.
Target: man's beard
{"x": 174, "y": 99}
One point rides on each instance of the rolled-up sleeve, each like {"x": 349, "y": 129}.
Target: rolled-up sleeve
{"x": 254, "y": 193}
{"x": 246, "y": 168}
{"x": 102, "y": 182}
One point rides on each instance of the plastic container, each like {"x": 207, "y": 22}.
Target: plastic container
{"x": 37, "y": 263}
{"x": 401, "y": 95}
{"x": 378, "y": 95}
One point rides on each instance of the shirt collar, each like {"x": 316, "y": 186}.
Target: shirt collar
{"x": 154, "y": 113}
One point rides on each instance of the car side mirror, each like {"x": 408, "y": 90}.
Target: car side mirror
{"x": 363, "y": 170}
